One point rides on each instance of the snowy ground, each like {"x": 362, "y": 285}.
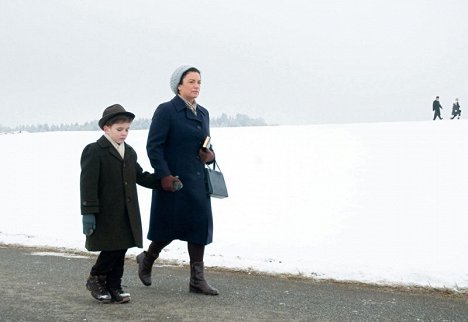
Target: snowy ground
{"x": 379, "y": 203}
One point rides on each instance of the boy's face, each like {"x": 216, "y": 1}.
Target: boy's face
{"x": 118, "y": 131}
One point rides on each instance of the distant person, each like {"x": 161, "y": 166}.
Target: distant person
{"x": 456, "y": 111}
{"x": 177, "y": 131}
{"x": 436, "y": 107}
{"x": 109, "y": 203}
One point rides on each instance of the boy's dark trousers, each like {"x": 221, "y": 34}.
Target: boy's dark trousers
{"x": 110, "y": 263}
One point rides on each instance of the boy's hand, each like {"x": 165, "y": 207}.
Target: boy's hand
{"x": 89, "y": 224}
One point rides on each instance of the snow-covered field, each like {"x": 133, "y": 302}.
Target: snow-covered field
{"x": 381, "y": 203}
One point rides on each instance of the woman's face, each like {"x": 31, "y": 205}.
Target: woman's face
{"x": 190, "y": 87}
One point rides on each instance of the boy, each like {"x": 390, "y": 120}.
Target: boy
{"x": 109, "y": 203}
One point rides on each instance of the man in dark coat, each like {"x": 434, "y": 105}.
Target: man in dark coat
{"x": 436, "y": 107}
{"x": 178, "y": 129}
{"x": 109, "y": 203}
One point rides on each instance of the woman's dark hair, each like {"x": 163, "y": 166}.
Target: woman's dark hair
{"x": 191, "y": 69}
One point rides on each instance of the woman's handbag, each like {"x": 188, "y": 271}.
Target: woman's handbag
{"x": 215, "y": 184}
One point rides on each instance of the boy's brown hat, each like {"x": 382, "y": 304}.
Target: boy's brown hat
{"x": 112, "y": 111}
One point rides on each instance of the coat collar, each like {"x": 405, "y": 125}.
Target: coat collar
{"x": 105, "y": 144}
{"x": 181, "y": 106}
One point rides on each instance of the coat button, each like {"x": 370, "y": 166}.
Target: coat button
{"x": 198, "y": 127}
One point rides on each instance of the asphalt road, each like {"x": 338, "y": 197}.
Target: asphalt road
{"x": 52, "y": 288}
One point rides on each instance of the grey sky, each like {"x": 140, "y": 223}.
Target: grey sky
{"x": 290, "y": 62}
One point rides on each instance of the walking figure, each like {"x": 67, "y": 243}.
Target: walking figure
{"x": 109, "y": 203}
{"x": 436, "y": 108}
{"x": 456, "y": 111}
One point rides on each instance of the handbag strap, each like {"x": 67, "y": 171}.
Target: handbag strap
{"x": 215, "y": 164}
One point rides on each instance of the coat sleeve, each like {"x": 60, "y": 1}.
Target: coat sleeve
{"x": 89, "y": 180}
{"x": 157, "y": 136}
{"x": 146, "y": 179}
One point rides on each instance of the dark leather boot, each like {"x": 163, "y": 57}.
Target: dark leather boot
{"x": 197, "y": 280}
{"x": 97, "y": 286}
{"x": 119, "y": 296}
{"x": 145, "y": 263}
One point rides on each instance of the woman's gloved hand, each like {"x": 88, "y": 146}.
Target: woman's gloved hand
{"x": 206, "y": 155}
{"x": 171, "y": 183}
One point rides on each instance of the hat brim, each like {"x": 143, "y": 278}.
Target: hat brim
{"x": 106, "y": 118}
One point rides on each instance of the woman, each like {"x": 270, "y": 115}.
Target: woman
{"x": 456, "y": 109}
{"x": 177, "y": 131}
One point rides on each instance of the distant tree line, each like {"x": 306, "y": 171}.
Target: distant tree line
{"x": 138, "y": 124}
{"x": 236, "y": 121}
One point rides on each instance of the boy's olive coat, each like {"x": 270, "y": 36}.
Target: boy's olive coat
{"x": 108, "y": 190}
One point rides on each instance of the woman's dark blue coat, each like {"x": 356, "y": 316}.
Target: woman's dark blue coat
{"x": 174, "y": 138}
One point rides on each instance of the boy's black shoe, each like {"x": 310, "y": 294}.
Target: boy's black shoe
{"x": 97, "y": 286}
{"x": 119, "y": 296}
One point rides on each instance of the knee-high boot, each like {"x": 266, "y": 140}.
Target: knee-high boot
{"x": 145, "y": 264}
{"x": 197, "y": 280}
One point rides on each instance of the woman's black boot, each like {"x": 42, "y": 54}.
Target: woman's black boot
{"x": 197, "y": 280}
{"x": 145, "y": 263}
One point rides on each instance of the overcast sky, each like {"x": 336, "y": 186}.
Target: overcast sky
{"x": 289, "y": 62}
